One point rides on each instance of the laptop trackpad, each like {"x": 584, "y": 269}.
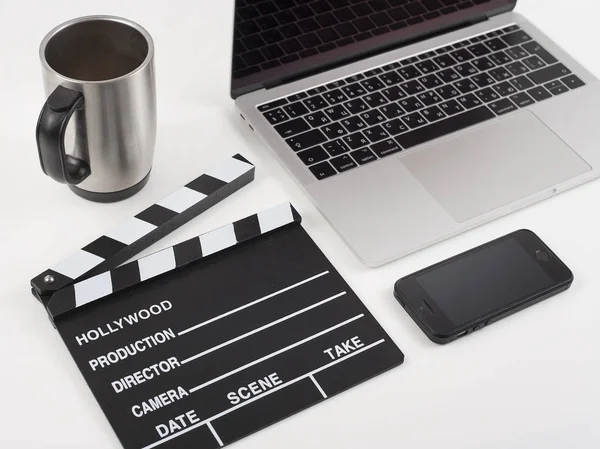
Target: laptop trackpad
{"x": 494, "y": 165}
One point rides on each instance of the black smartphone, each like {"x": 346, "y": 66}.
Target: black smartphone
{"x": 467, "y": 292}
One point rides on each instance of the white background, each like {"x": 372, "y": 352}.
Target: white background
{"x": 528, "y": 382}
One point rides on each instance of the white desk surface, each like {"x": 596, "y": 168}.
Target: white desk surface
{"x": 529, "y": 382}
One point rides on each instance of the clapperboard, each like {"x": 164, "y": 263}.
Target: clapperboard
{"x": 208, "y": 341}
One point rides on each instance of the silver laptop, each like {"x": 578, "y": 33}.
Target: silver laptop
{"x": 410, "y": 121}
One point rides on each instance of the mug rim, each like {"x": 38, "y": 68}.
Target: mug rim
{"x": 140, "y": 29}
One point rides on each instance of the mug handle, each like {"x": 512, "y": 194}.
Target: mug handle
{"x": 50, "y": 137}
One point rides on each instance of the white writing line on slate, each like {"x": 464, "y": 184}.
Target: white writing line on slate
{"x": 318, "y": 386}
{"x": 262, "y": 328}
{"x": 266, "y": 393}
{"x": 276, "y": 353}
{"x": 250, "y": 304}
{"x": 214, "y": 432}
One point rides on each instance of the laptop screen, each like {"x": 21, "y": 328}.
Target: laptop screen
{"x": 282, "y": 39}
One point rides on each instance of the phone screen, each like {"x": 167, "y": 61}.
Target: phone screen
{"x": 485, "y": 280}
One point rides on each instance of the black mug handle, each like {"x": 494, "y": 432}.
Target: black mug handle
{"x": 50, "y": 137}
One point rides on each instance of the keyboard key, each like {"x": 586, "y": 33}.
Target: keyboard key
{"x": 293, "y": 127}
{"x": 313, "y": 155}
{"x": 447, "y": 92}
{"x": 429, "y": 98}
{"x": 536, "y": 49}
{"x": 363, "y": 156}
{"x": 375, "y": 134}
{"x": 272, "y": 105}
{"x": 409, "y": 72}
{"x": 496, "y": 44}
{"x": 516, "y": 38}
{"x": 336, "y": 113}
{"x": 534, "y": 63}
{"x": 414, "y": 120}
{"x": 307, "y": 140}
{"x": 412, "y": 87}
{"x": 522, "y": 100}
{"x": 353, "y": 124}
{"x": 451, "y": 107}
{"x": 427, "y": 67}
{"x": 510, "y": 29}
{"x": 431, "y": 81}
{"x": 356, "y": 141}
{"x": 295, "y": 109}
{"x": 375, "y": 100}
{"x": 469, "y": 101}
{"x": 462, "y": 55}
{"x": 517, "y": 68}
{"x": 444, "y": 61}
{"x": 573, "y": 82}
{"x": 372, "y": 84}
{"x": 317, "y": 119}
{"x": 315, "y": 103}
{"x": 373, "y": 72}
{"x": 549, "y": 74}
{"x": 354, "y": 78}
{"x": 483, "y": 64}
{"x": 393, "y": 93}
{"x": 479, "y": 50}
{"x": 483, "y": 80}
{"x": 448, "y": 75}
{"x": 373, "y": 117}
{"x": 465, "y": 86}
{"x": 297, "y": 97}
{"x": 392, "y": 110}
{"x": 500, "y": 58}
{"x": 503, "y": 106}
{"x": 386, "y": 147}
{"x": 517, "y": 53}
{"x": 390, "y": 78}
{"x": 558, "y": 89}
{"x": 505, "y": 89}
{"x": 433, "y": 114}
{"x": 395, "y": 127}
{"x": 486, "y": 95}
{"x": 334, "y": 130}
{"x": 276, "y": 116}
{"x": 445, "y": 127}
{"x": 335, "y": 96}
{"x": 522, "y": 83}
{"x": 335, "y": 148}
{"x": 500, "y": 74}
{"x": 343, "y": 163}
{"x": 411, "y": 104}
{"x": 356, "y": 106}
{"x": 539, "y": 93}
{"x": 354, "y": 90}
{"x": 322, "y": 170}
{"x": 467, "y": 69}
{"x": 336, "y": 84}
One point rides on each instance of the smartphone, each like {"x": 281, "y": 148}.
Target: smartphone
{"x": 467, "y": 292}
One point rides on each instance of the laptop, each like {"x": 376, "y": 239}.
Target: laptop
{"x": 409, "y": 121}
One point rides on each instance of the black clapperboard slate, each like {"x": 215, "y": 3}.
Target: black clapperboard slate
{"x": 208, "y": 341}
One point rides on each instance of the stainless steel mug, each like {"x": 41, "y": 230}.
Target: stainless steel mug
{"x": 97, "y": 129}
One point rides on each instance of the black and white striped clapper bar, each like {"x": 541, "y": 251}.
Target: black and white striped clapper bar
{"x": 146, "y": 228}
{"x": 172, "y": 258}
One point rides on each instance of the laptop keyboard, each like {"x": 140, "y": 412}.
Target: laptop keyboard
{"x": 350, "y": 122}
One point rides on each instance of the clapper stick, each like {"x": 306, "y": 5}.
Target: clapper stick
{"x": 171, "y": 258}
{"x": 146, "y": 228}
